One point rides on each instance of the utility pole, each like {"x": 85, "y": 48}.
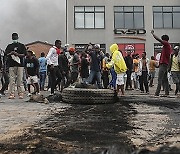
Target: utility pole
{"x": 66, "y": 22}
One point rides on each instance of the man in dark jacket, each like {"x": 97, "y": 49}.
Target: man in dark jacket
{"x": 129, "y": 63}
{"x": 64, "y": 69}
{"x": 15, "y": 53}
{"x": 95, "y": 65}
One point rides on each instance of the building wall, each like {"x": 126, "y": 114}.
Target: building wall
{"x": 38, "y": 48}
{"x": 107, "y": 36}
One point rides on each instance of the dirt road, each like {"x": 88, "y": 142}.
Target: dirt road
{"x": 136, "y": 121}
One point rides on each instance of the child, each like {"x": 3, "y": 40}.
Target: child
{"x": 32, "y": 71}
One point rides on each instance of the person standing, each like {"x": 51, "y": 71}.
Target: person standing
{"x": 163, "y": 63}
{"x": 112, "y": 84}
{"x": 64, "y": 69}
{"x": 32, "y": 72}
{"x": 135, "y": 69}
{"x": 5, "y": 73}
{"x": 152, "y": 71}
{"x": 143, "y": 69}
{"x": 52, "y": 61}
{"x": 84, "y": 68}
{"x": 175, "y": 68}
{"x": 119, "y": 66}
{"x": 15, "y": 53}
{"x": 42, "y": 70}
{"x": 74, "y": 65}
{"x": 105, "y": 71}
{"x": 95, "y": 65}
{"x": 129, "y": 63}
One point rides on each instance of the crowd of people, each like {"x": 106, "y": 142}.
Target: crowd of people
{"x": 63, "y": 67}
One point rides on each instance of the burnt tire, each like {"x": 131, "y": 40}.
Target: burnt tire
{"x": 88, "y": 96}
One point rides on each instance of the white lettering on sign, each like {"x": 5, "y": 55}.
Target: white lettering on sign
{"x": 129, "y": 31}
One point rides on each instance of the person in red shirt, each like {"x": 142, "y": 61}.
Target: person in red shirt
{"x": 163, "y": 63}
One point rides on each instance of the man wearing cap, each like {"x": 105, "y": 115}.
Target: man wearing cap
{"x": 74, "y": 65}
{"x": 175, "y": 68}
{"x": 52, "y": 61}
{"x": 95, "y": 65}
{"x": 64, "y": 69}
{"x": 129, "y": 63}
{"x": 15, "y": 53}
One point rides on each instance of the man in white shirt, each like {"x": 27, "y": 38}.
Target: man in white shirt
{"x": 52, "y": 61}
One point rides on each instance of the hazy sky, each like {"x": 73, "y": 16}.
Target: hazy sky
{"x": 33, "y": 20}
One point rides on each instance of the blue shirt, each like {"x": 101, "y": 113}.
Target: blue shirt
{"x": 42, "y": 64}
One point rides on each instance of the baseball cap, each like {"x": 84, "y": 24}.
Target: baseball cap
{"x": 97, "y": 46}
{"x": 176, "y": 48}
{"x": 71, "y": 49}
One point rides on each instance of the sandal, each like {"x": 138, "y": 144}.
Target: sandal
{"x": 12, "y": 96}
{"x": 21, "y": 96}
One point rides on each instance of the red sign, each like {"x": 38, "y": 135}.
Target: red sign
{"x": 137, "y": 48}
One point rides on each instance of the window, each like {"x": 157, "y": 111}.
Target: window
{"x": 128, "y": 17}
{"x": 166, "y": 16}
{"x": 89, "y": 17}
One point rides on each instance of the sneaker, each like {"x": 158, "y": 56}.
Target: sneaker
{"x": 34, "y": 93}
{"x": 156, "y": 96}
{"x": 176, "y": 91}
{"x": 2, "y": 94}
{"x": 29, "y": 94}
{"x": 21, "y": 96}
{"x": 11, "y": 96}
{"x": 51, "y": 94}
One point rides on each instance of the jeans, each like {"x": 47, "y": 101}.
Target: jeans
{"x": 105, "y": 77}
{"x": 42, "y": 77}
{"x": 55, "y": 76}
{"x": 152, "y": 74}
{"x": 144, "y": 81}
{"x": 113, "y": 80}
{"x": 13, "y": 73}
{"x": 73, "y": 77}
{"x": 162, "y": 78}
{"x": 97, "y": 75}
{"x": 65, "y": 80}
{"x": 128, "y": 82}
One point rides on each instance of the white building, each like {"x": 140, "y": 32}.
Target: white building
{"x": 125, "y": 22}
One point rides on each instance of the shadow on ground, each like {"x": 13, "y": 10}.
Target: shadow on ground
{"x": 82, "y": 129}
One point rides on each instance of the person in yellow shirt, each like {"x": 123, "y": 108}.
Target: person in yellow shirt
{"x": 152, "y": 66}
{"x": 119, "y": 66}
{"x": 175, "y": 68}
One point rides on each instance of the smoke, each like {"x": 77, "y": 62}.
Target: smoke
{"x": 33, "y": 20}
